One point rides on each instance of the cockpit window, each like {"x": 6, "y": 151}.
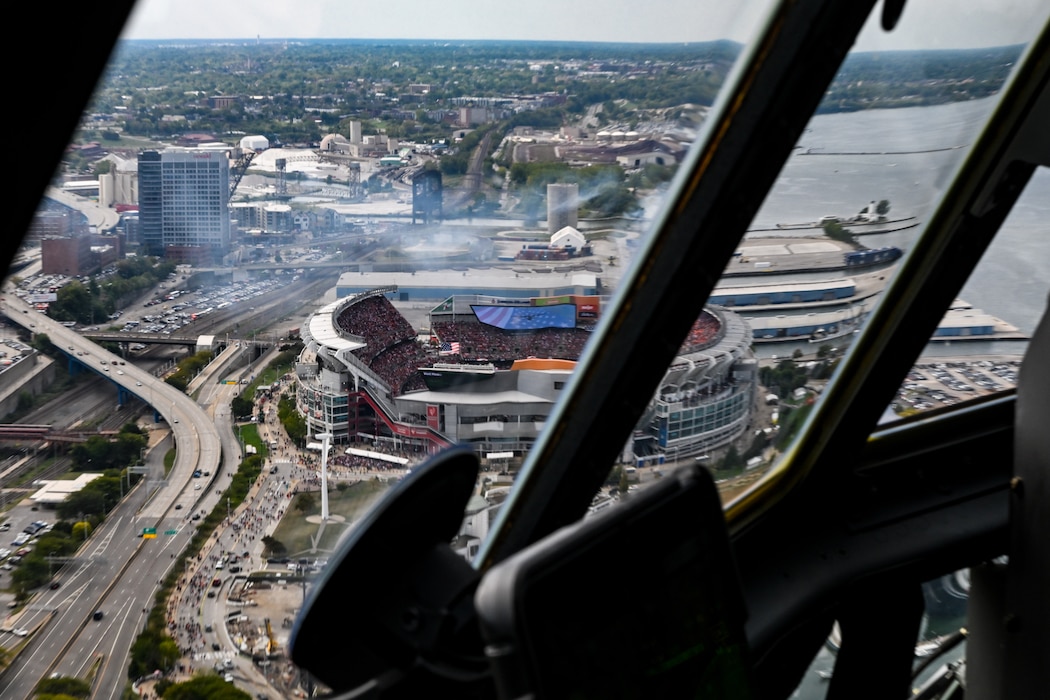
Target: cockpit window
{"x": 546, "y": 160}
{"x": 978, "y": 348}
{"x": 430, "y": 207}
{"x": 863, "y": 182}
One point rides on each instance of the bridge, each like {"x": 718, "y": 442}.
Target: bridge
{"x": 144, "y": 338}
{"x": 45, "y": 433}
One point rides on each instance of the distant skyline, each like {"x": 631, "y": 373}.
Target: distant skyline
{"x": 930, "y": 24}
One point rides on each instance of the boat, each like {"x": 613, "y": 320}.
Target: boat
{"x": 852, "y": 221}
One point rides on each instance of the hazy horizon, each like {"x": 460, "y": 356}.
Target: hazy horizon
{"x": 937, "y": 24}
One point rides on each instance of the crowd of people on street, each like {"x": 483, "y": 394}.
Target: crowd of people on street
{"x": 238, "y": 541}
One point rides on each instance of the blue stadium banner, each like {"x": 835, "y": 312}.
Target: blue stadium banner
{"x": 527, "y": 318}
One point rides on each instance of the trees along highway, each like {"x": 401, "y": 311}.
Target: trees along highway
{"x": 116, "y": 571}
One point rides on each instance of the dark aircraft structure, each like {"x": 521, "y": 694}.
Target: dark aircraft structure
{"x": 728, "y": 603}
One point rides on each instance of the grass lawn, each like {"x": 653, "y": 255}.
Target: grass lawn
{"x": 295, "y": 531}
{"x": 250, "y": 434}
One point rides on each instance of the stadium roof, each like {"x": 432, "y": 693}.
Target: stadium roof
{"x": 322, "y": 329}
{"x": 440, "y": 284}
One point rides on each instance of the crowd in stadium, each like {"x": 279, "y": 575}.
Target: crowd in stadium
{"x": 479, "y": 341}
{"x": 702, "y": 334}
{"x": 377, "y": 321}
{"x": 398, "y": 364}
{"x": 392, "y": 353}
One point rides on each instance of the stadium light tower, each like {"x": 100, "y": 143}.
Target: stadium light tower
{"x": 324, "y": 438}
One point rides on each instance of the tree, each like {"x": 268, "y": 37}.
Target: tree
{"x": 64, "y": 686}
{"x": 241, "y": 406}
{"x": 153, "y": 650}
{"x": 81, "y": 530}
{"x": 31, "y": 573}
{"x": 205, "y": 687}
{"x": 837, "y": 232}
{"x": 274, "y": 547}
{"x": 86, "y": 501}
{"x": 732, "y": 460}
{"x": 305, "y": 503}
{"x": 99, "y": 453}
{"x": 42, "y": 342}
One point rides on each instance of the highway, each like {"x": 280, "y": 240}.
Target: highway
{"x": 116, "y": 571}
{"x": 196, "y": 437}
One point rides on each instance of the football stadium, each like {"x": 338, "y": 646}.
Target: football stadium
{"x": 486, "y": 371}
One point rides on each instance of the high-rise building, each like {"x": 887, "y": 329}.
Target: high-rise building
{"x": 183, "y": 198}
{"x": 563, "y": 201}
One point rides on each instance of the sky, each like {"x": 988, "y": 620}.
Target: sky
{"x": 929, "y": 23}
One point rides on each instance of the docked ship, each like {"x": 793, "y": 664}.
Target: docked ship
{"x": 868, "y": 220}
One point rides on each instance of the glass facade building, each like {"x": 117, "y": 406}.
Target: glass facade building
{"x": 183, "y": 204}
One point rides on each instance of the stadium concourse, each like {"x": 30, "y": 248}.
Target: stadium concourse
{"x": 365, "y": 375}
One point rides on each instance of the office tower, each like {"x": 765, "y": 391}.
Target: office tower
{"x": 183, "y": 197}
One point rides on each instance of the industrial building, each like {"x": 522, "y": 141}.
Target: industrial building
{"x": 789, "y": 293}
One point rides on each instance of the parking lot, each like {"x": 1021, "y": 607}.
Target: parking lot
{"x": 945, "y": 383}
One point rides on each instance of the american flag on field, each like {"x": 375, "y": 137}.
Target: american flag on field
{"x": 449, "y": 348}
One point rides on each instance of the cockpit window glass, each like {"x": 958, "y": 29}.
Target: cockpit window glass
{"x": 501, "y": 173}
{"x": 978, "y": 347}
{"x": 863, "y": 181}
{"x": 427, "y": 207}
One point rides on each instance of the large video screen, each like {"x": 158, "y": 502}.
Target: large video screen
{"x": 527, "y": 318}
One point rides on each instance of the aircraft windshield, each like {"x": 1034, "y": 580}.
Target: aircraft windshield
{"x": 424, "y": 213}
{"x": 862, "y": 183}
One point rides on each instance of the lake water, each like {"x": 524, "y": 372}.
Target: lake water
{"x": 1013, "y": 279}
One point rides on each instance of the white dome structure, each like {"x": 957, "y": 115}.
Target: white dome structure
{"x": 255, "y": 143}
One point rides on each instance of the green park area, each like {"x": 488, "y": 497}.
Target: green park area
{"x": 297, "y": 530}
